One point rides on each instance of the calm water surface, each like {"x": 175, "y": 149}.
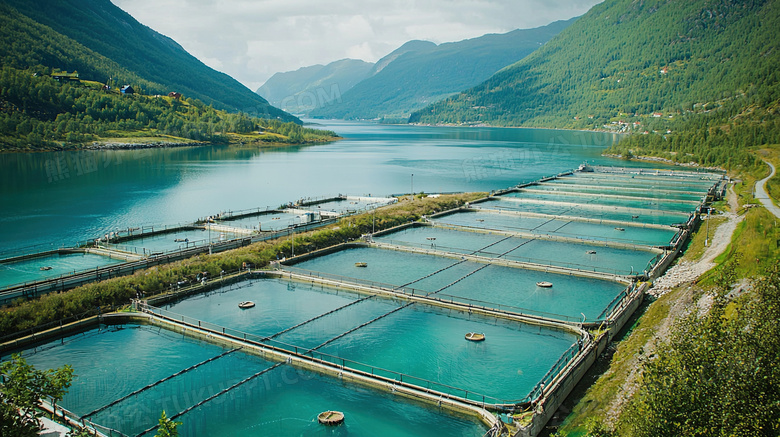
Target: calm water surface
{"x": 65, "y": 197}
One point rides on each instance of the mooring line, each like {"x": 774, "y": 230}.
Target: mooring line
{"x": 360, "y": 326}
{"x": 187, "y": 410}
{"x": 318, "y": 317}
{"x": 158, "y": 382}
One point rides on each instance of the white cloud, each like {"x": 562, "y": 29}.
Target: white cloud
{"x": 253, "y": 39}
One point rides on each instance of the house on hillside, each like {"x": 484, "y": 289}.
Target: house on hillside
{"x": 127, "y": 89}
{"x": 64, "y": 76}
{"x": 175, "y": 95}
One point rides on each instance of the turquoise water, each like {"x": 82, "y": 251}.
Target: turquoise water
{"x": 493, "y": 286}
{"x": 655, "y": 204}
{"x": 648, "y": 180}
{"x": 573, "y": 182}
{"x": 28, "y": 270}
{"x": 282, "y": 402}
{"x": 628, "y": 192}
{"x": 438, "y": 352}
{"x": 274, "y": 221}
{"x": 570, "y": 229}
{"x": 53, "y": 197}
{"x": 585, "y": 211}
{"x": 349, "y": 205}
{"x": 174, "y": 241}
{"x": 605, "y": 259}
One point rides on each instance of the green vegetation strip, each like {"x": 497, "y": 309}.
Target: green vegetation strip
{"x": 24, "y": 315}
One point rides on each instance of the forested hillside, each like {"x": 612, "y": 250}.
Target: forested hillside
{"x": 421, "y": 72}
{"x": 38, "y": 112}
{"x": 303, "y": 90}
{"x": 101, "y": 41}
{"x": 628, "y": 59}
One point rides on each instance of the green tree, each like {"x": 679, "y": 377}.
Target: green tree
{"x": 717, "y": 375}
{"x": 21, "y": 391}
{"x": 167, "y": 427}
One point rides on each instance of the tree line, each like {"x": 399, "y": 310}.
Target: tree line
{"x": 36, "y": 111}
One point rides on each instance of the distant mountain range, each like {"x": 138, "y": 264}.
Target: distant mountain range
{"x": 300, "y": 91}
{"x": 411, "y": 77}
{"x": 633, "y": 60}
{"x": 101, "y": 41}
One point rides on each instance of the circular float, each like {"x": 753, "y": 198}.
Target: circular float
{"x": 544, "y": 284}
{"x": 331, "y": 417}
{"x": 475, "y": 336}
{"x": 246, "y": 304}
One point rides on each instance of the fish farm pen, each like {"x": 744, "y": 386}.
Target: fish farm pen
{"x": 475, "y": 321}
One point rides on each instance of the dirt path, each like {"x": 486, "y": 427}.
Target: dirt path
{"x": 762, "y": 195}
{"x": 688, "y": 271}
{"x": 682, "y": 273}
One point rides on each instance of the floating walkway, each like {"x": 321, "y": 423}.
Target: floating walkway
{"x": 627, "y": 279}
{"x": 572, "y": 218}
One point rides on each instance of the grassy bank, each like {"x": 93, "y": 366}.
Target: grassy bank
{"x": 753, "y": 251}
{"x": 118, "y": 291}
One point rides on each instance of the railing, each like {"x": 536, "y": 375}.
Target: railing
{"x": 409, "y": 292}
{"x": 332, "y": 361}
{"x": 65, "y": 281}
{"x": 74, "y": 421}
{"x": 455, "y": 251}
{"x": 628, "y": 243}
{"x": 31, "y": 251}
{"x": 563, "y": 361}
{"x": 8, "y": 338}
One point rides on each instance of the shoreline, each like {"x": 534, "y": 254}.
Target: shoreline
{"x": 663, "y": 161}
{"x": 132, "y": 145}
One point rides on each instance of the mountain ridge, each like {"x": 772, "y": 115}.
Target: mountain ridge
{"x": 415, "y": 74}
{"x": 624, "y": 58}
{"x": 301, "y": 90}
{"x": 161, "y": 63}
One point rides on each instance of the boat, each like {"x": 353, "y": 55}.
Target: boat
{"x": 330, "y": 417}
{"x": 246, "y": 304}
{"x": 544, "y": 284}
{"x": 585, "y": 168}
{"x": 475, "y": 336}
{"x": 591, "y": 252}
{"x": 361, "y": 264}
{"x": 620, "y": 229}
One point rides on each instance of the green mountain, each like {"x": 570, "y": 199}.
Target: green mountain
{"x": 101, "y": 41}
{"x": 633, "y": 61}
{"x": 421, "y": 72}
{"x": 305, "y": 89}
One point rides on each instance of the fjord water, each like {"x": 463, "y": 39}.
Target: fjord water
{"x": 66, "y": 197}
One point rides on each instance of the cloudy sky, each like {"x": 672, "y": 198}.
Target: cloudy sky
{"x": 253, "y": 39}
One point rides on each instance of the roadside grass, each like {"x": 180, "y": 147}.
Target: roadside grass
{"x": 754, "y": 247}
{"x": 772, "y": 154}
{"x": 695, "y": 247}
{"x": 612, "y": 370}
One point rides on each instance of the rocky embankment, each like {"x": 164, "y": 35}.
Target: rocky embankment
{"x": 145, "y": 145}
